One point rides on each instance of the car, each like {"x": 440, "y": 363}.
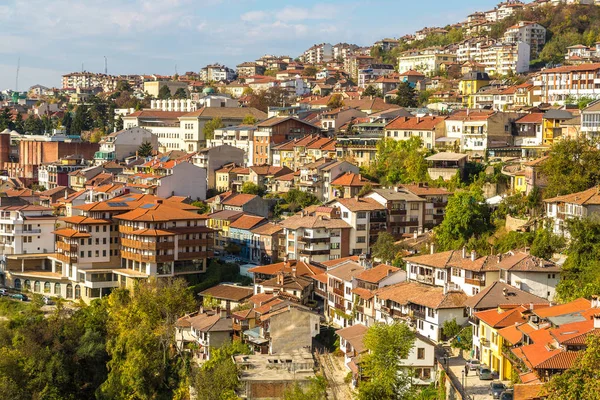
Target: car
{"x": 485, "y": 374}
{"x": 19, "y": 296}
{"x": 496, "y": 389}
{"x": 48, "y": 301}
{"x": 507, "y": 395}
{"x": 4, "y": 292}
{"x": 473, "y": 365}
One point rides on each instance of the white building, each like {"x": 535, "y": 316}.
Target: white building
{"x": 241, "y": 137}
{"x": 26, "y": 229}
{"x": 426, "y": 63}
{"x": 217, "y": 73}
{"x": 575, "y": 205}
{"x": 119, "y": 145}
{"x": 318, "y": 54}
{"x": 531, "y": 33}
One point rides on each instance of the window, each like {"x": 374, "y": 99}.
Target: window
{"x": 456, "y": 272}
{"x": 414, "y": 206}
{"x": 335, "y": 245}
{"x": 361, "y": 239}
{"x": 361, "y": 227}
{"x": 361, "y": 214}
{"x": 345, "y": 214}
{"x": 420, "y": 353}
{"x": 420, "y": 324}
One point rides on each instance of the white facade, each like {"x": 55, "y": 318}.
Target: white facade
{"x": 241, "y": 137}
{"x": 120, "y": 145}
{"x": 186, "y": 179}
{"x": 26, "y": 230}
{"x": 428, "y": 64}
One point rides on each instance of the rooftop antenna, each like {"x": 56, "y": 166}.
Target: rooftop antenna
{"x": 17, "y": 78}
{"x": 105, "y": 66}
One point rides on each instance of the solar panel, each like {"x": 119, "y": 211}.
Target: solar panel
{"x": 149, "y": 205}
{"x": 129, "y": 199}
{"x": 117, "y": 204}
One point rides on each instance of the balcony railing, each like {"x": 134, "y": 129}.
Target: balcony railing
{"x": 194, "y": 254}
{"x": 484, "y": 342}
{"x": 476, "y": 282}
{"x": 305, "y": 239}
{"x": 307, "y": 252}
{"x": 425, "y": 278}
{"x": 339, "y": 291}
{"x": 395, "y": 211}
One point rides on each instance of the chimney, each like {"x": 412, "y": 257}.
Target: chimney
{"x": 432, "y": 248}
{"x": 499, "y": 258}
{"x": 293, "y": 271}
{"x": 66, "y": 194}
{"x": 596, "y": 321}
{"x": 418, "y": 120}
{"x": 280, "y": 278}
{"x": 473, "y": 255}
{"x": 595, "y": 302}
{"x": 542, "y": 263}
{"x": 446, "y": 288}
{"x": 464, "y": 252}
{"x": 505, "y": 292}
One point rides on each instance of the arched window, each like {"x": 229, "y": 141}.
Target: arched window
{"x": 26, "y": 285}
{"x": 57, "y": 288}
{"x": 18, "y": 284}
{"x": 77, "y": 292}
{"x": 47, "y": 287}
{"x": 69, "y": 291}
{"x": 36, "y": 286}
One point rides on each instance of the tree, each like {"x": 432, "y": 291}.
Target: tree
{"x": 371, "y": 91}
{"x": 385, "y": 248}
{"x": 250, "y": 188}
{"x": 6, "y": 121}
{"x": 180, "y": 93}
{"x": 123, "y": 86}
{"x": 141, "y": 340}
{"x": 386, "y": 345}
{"x": 19, "y": 126}
{"x": 119, "y": 123}
{"x": 145, "y": 149}
{"x": 203, "y": 207}
{"x": 310, "y": 71}
{"x": 316, "y": 389}
{"x": 581, "y": 380}
{"x": 467, "y": 217}
{"x": 580, "y": 276}
{"x": 406, "y": 95}
{"x": 211, "y": 126}
{"x": 272, "y": 97}
{"x": 400, "y": 161}
{"x": 461, "y": 337}
{"x": 297, "y": 200}
{"x": 335, "y": 101}
{"x": 34, "y": 125}
{"x": 546, "y": 243}
{"x": 249, "y": 119}
{"x": 66, "y": 122}
{"x": 573, "y": 165}
{"x": 81, "y": 121}
{"x": 164, "y": 93}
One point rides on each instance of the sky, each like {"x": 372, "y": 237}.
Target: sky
{"x": 52, "y": 38}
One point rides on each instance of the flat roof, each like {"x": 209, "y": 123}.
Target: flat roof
{"x": 446, "y": 157}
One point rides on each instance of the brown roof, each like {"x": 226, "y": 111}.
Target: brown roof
{"x": 425, "y": 190}
{"x": 159, "y": 212}
{"x": 420, "y": 123}
{"x": 501, "y": 319}
{"x": 247, "y": 222}
{"x": 425, "y": 295}
{"x": 267, "y": 229}
{"x": 533, "y": 118}
{"x": 354, "y": 335}
{"x": 362, "y": 204}
{"x": 229, "y": 292}
{"x": 377, "y": 274}
{"x": 301, "y": 268}
{"x": 563, "y": 360}
{"x": 352, "y": 179}
{"x": 363, "y": 293}
{"x": 587, "y": 197}
{"x": 573, "y": 68}
{"x": 346, "y": 271}
{"x": 501, "y": 293}
{"x": 226, "y": 112}
{"x": 315, "y": 221}
{"x": 532, "y": 391}
{"x": 72, "y": 233}
{"x": 238, "y": 199}
{"x": 580, "y": 304}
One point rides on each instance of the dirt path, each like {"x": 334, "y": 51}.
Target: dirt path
{"x": 335, "y": 372}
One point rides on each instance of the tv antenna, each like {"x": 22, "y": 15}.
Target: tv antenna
{"x": 17, "y": 78}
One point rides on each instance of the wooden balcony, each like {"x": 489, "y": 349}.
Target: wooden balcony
{"x": 397, "y": 212}
{"x": 195, "y": 242}
{"x": 71, "y": 248}
{"x": 147, "y": 258}
{"x": 66, "y": 258}
{"x": 340, "y": 307}
{"x": 439, "y": 205}
{"x": 476, "y": 282}
{"x": 338, "y": 291}
{"x": 321, "y": 293}
{"x": 136, "y": 244}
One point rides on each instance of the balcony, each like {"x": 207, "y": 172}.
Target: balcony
{"x": 339, "y": 291}
{"x": 476, "y": 282}
{"x": 439, "y": 205}
{"x": 136, "y": 244}
{"x": 307, "y": 252}
{"x": 425, "y": 279}
{"x": 193, "y": 255}
{"x": 195, "y": 242}
{"x": 71, "y": 248}
{"x": 378, "y": 218}
{"x": 321, "y": 293}
{"x": 66, "y": 258}
{"x": 340, "y": 307}
{"x": 396, "y": 211}
{"x": 484, "y": 342}
{"x": 147, "y": 258}
{"x": 417, "y": 314}
{"x": 309, "y": 240}
{"x": 27, "y": 231}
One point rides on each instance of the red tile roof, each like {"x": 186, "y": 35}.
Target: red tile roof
{"x": 377, "y": 274}
{"x": 247, "y": 222}
{"x": 352, "y": 179}
{"x": 415, "y": 123}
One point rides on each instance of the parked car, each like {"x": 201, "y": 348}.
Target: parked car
{"x": 485, "y": 374}
{"x": 19, "y": 296}
{"x": 507, "y": 395}
{"x": 4, "y": 292}
{"x": 473, "y": 365}
{"x": 496, "y": 389}
{"x": 48, "y": 301}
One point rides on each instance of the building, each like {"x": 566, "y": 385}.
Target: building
{"x": 241, "y": 137}
{"x": 372, "y": 72}
{"x": 212, "y": 159}
{"x": 298, "y": 152}
{"x": 248, "y": 203}
{"x": 119, "y": 145}
{"x": 428, "y": 64}
{"x": 219, "y": 222}
{"x": 217, "y": 73}
{"x": 318, "y": 54}
{"x": 206, "y": 330}
{"x": 349, "y": 185}
{"x": 277, "y": 130}
{"x": 228, "y": 297}
{"x": 528, "y": 32}
{"x": 446, "y": 165}
{"x": 153, "y": 87}
{"x": 575, "y": 205}
{"x": 436, "y": 202}
{"x": 26, "y": 229}
{"x": 470, "y": 84}
{"x": 554, "y": 85}
{"x": 250, "y": 69}
{"x": 404, "y": 210}
{"x": 55, "y": 174}
{"x": 240, "y": 235}
{"x": 316, "y": 236}
{"x": 427, "y": 129}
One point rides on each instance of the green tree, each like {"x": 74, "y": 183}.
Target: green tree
{"x": 386, "y": 345}
{"x": 335, "y": 101}
{"x": 250, "y": 188}
{"x": 19, "y": 126}
{"x": 546, "y": 243}
{"x": 249, "y": 119}
{"x": 34, "y": 125}
{"x": 67, "y": 122}
{"x": 180, "y": 93}
{"x": 81, "y": 121}
{"x": 211, "y": 126}
{"x": 164, "y": 93}
{"x": 581, "y": 380}
{"x": 203, "y": 207}
{"x": 406, "y": 95}
{"x": 400, "y": 161}
{"x": 309, "y": 71}
{"x": 145, "y": 149}
{"x": 123, "y": 86}
{"x": 272, "y": 97}
{"x": 573, "y": 165}
{"x": 119, "y": 123}
{"x": 6, "y": 121}
{"x": 580, "y": 276}
{"x": 316, "y": 389}
{"x": 141, "y": 331}
{"x": 467, "y": 217}
{"x": 385, "y": 248}
{"x": 296, "y": 200}
{"x": 370, "y": 91}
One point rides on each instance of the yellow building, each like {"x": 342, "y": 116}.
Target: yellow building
{"x": 492, "y": 343}
{"x": 552, "y": 125}
{"x": 470, "y": 84}
{"x": 220, "y": 221}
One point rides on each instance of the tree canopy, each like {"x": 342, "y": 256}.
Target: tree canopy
{"x": 335, "y": 101}
{"x": 385, "y": 248}
{"x": 210, "y": 127}
{"x": 400, "y": 161}
{"x": 145, "y": 149}
{"x": 164, "y": 93}
{"x": 406, "y": 96}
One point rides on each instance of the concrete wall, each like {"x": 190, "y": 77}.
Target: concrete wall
{"x": 292, "y": 330}
{"x": 187, "y": 180}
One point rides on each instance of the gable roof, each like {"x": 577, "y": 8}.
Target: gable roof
{"x": 247, "y": 222}
{"x": 420, "y": 123}
{"x": 587, "y": 197}
{"x": 352, "y": 179}
{"x": 229, "y": 292}
{"x": 425, "y": 295}
{"x": 501, "y": 293}
{"x": 377, "y": 274}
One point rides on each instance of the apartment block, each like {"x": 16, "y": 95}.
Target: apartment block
{"x": 554, "y": 85}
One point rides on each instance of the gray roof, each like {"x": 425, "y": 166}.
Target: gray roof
{"x": 397, "y": 194}
{"x": 557, "y": 114}
{"x": 494, "y": 295}
{"x": 446, "y": 157}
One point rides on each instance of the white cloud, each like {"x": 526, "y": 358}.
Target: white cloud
{"x": 318, "y": 11}
{"x": 254, "y": 16}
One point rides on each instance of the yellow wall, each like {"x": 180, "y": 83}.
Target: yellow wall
{"x": 469, "y": 87}
{"x": 520, "y": 184}
{"x": 492, "y": 356}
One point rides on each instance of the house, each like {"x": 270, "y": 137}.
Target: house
{"x": 219, "y": 221}
{"x": 350, "y": 185}
{"x": 117, "y": 146}
{"x": 240, "y": 235}
{"x": 554, "y": 85}
{"x": 427, "y": 129}
{"x": 265, "y": 272}
{"x": 266, "y": 242}
{"x": 207, "y": 330}
{"x": 28, "y": 229}
{"x": 241, "y": 137}
{"x": 277, "y": 130}
{"x": 405, "y": 211}
{"x": 248, "y": 203}
{"x": 213, "y": 158}
{"x": 425, "y": 307}
{"x": 228, "y": 296}
{"x": 366, "y": 216}
{"x": 446, "y": 165}
{"x": 531, "y": 274}
{"x": 575, "y": 205}
{"x": 470, "y": 84}
{"x": 319, "y": 235}
{"x": 288, "y": 286}
{"x": 437, "y": 200}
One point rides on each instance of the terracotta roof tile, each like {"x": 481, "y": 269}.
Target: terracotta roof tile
{"x": 587, "y": 197}
{"x": 561, "y": 361}
{"x": 415, "y": 123}
{"x": 377, "y": 274}
{"x": 352, "y": 179}
{"x": 247, "y": 222}
{"x": 354, "y": 335}
{"x": 532, "y": 391}
{"x": 425, "y": 295}
{"x": 229, "y": 292}
{"x": 563, "y": 309}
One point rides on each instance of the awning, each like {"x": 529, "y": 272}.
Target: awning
{"x": 446, "y": 139}
{"x": 253, "y": 336}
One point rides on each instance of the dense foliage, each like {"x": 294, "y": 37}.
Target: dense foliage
{"x": 399, "y": 162}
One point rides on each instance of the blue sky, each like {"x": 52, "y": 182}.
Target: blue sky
{"x": 153, "y": 36}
